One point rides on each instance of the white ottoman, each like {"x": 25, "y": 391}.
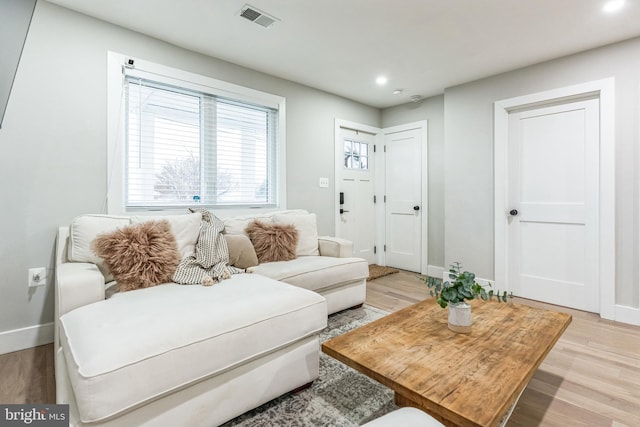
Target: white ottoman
{"x": 405, "y": 417}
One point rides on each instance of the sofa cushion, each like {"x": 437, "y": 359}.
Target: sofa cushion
{"x": 185, "y": 228}
{"x": 139, "y": 255}
{"x": 307, "y": 229}
{"x": 238, "y": 224}
{"x": 315, "y": 272}
{"x": 241, "y": 252}
{"x": 83, "y": 230}
{"x": 138, "y": 346}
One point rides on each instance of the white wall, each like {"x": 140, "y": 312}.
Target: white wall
{"x": 53, "y": 142}
{"x": 468, "y": 129}
{"x": 431, "y": 110}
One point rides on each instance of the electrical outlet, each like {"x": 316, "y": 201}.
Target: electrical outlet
{"x": 323, "y": 182}
{"x": 37, "y": 277}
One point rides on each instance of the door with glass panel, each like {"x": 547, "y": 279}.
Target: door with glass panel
{"x": 356, "y": 193}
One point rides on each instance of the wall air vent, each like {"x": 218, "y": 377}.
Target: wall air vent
{"x": 259, "y": 17}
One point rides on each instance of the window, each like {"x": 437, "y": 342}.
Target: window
{"x": 185, "y": 144}
{"x": 356, "y": 154}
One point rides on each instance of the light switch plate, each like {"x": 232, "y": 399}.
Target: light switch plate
{"x": 323, "y": 182}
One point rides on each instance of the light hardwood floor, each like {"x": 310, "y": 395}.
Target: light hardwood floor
{"x": 27, "y": 376}
{"x": 590, "y": 378}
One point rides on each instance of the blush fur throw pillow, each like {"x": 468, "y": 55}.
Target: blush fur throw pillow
{"x": 273, "y": 242}
{"x": 139, "y": 256}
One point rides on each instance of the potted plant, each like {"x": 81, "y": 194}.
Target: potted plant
{"x": 462, "y": 286}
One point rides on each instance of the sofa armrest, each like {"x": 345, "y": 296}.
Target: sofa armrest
{"x": 335, "y": 247}
{"x": 77, "y": 284}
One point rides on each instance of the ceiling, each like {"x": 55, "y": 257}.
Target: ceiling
{"x": 340, "y": 46}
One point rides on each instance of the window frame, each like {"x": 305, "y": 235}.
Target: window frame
{"x": 116, "y": 128}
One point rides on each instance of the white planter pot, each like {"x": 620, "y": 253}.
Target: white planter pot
{"x": 460, "y": 317}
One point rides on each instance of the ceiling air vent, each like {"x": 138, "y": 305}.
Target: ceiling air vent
{"x": 259, "y": 17}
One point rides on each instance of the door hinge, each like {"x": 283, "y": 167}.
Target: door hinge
{"x": 375, "y": 250}
{"x": 374, "y": 199}
{"x": 385, "y": 148}
{"x": 385, "y": 248}
{"x": 374, "y": 148}
{"x": 385, "y": 198}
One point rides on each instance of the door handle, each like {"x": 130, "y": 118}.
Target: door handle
{"x": 416, "y": 208}
{"x": 513, "y": 212}
{"x": 342, "y": 211}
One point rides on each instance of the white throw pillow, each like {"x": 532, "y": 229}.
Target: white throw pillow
{"x": 307, "y": 231}
{"x": 237, "y": 225}
{"x": 84, "y": 229}
{"x": 185, "y": 228}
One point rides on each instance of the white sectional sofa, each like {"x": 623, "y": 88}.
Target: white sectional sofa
{"x": 190, "y": 354}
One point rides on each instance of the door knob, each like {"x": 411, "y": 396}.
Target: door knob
{"x": 416, "y": 208}
{"x": 513, "y": 212}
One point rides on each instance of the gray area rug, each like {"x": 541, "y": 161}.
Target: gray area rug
{"x": 340, "y": 397}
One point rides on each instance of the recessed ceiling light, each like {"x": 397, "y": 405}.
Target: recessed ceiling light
{"x": 397, "y": 91}
{"x": 381, "y": 80}
{"x": 613, "y": 6}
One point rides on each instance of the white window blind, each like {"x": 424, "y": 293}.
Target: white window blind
{"x": 187, "y": 147}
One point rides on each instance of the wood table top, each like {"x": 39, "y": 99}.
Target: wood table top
{"x": 461, "y": 379}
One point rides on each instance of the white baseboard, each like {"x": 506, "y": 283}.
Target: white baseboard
{"x": 434, "y": 271}
{"x": 32, "y": 336}
{"x": 445, "y": 277}
{"x": 486, "y": 282}
{"x": 628, "y": 315}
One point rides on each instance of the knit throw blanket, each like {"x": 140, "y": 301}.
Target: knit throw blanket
{"x": 209, "y": 263}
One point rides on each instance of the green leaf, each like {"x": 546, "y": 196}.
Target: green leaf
{"x": 450, "y": 295}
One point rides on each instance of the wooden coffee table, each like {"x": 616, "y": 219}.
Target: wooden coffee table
{"x": 460, "y": 379}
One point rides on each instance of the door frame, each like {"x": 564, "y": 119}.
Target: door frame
{"x": 605, "y": 91}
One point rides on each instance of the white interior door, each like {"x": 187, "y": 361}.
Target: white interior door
{"x": 553, "y": 204}
{"x": 357, "y": 220}
{"x": 403, "y": 207}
